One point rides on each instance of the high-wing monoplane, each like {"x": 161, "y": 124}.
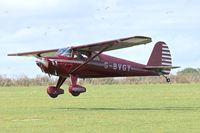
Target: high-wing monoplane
{"x": 87, "y": 61}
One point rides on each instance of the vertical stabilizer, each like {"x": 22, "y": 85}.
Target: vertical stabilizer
{"x": 160, "y": 56}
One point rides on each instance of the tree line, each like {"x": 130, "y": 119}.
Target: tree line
{"x": 187, "y": 75}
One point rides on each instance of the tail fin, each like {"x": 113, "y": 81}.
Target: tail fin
{"x": 160, "y": 59}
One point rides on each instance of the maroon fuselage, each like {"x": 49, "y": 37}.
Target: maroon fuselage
{"x": 87, "y": 61}
{"x": 101, "y": 66}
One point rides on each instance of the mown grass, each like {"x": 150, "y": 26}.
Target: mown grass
{"x": 104, "y": 108}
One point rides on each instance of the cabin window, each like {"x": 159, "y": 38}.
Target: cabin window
{"x": 65, "y": 52}
{"x": 81, "y": 55}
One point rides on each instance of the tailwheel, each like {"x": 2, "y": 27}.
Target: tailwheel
{"x": 53, "y": 92}
{"x": 167, "y": 79}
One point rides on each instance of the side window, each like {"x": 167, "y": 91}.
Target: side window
{"x": 82, "y": 55}
{"x": 96, "y": 58}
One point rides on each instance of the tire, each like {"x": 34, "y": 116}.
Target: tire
{"x": 168, "y": 80}
{"x": 51, "y": 91}
{"x": 75, "y": 93}
{"x": 53, "y": 95}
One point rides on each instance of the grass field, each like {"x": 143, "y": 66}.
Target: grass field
{"x": 106, "y": 108}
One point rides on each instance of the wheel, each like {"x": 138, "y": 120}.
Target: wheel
{"x": 53, "y": 92}
{"x": 53, "y": 95}
{"x": 76, "y": 90}
{"x": 75, "y": 93}
{"x": 168, "y": 80}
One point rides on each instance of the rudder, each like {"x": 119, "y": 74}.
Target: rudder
{"x": 160, "y": 56}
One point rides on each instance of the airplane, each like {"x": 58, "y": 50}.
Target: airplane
{"x": 87, "y": 61}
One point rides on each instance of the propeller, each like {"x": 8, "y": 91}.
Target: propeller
{"x": 43, "y": 61}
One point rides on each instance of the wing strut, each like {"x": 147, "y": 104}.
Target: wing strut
{"x": 91, "y": 58}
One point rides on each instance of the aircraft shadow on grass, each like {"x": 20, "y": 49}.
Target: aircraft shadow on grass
{"x": 133, "y": 109}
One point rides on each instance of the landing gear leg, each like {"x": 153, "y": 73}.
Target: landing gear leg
{"x": 167, "y": 79}
{"x": 75, "y": 89}
{"x": 54, "y": 91}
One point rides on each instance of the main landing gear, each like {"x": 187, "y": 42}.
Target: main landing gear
{"x": 74, "y": 89}
{"x": 54, "y": 91}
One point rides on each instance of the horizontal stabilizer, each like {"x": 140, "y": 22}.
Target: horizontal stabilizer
{"x": 161, "y": 69}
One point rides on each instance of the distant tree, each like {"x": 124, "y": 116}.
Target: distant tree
{"x": 188, "y": 75}
{"x": 189, "y": 71}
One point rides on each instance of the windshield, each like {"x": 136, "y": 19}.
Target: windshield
{"x": 65, "y": 52}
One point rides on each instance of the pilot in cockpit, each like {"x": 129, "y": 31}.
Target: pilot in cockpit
{"x": 83, "y": 55}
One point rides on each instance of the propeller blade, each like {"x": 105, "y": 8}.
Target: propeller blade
{"x": 43, "y": 61}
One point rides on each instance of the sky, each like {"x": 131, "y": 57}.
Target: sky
{"x": 45, "y": 24}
